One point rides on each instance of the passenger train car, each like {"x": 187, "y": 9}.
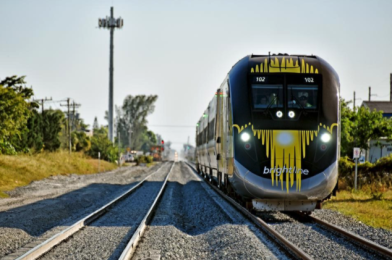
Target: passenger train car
{"x": 271, "y": 132}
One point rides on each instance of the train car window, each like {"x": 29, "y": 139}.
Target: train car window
{"x": 211, "y": 130}
{"x": 302, "y": 96}
{"x": 267, "y": 96}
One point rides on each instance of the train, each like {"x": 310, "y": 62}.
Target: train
{"x": 270, "y": 136}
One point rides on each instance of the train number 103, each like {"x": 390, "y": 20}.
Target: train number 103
{"x": 309, "y": 80}
{"x": 260, "y": 79}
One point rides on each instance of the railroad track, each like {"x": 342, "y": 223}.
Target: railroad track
{"x": 293, "y": 249}
{"x": 41, "y": 249}
{"x": 379, "y": 249}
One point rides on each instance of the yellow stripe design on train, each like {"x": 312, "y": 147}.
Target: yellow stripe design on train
{"x": 286, "y": 65}
{"x": 286, "y": 148}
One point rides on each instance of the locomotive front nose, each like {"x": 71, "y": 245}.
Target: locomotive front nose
{"x": 268, "y": 194}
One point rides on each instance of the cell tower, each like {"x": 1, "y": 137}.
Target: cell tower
{"x": 111, "y": 23}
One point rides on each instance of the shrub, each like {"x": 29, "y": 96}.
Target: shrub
{"x": 7, "y": 148}
{"x": 149, "y": 159}
{"x": 100, "y": 143}
{"x": 372, "y": 177}
{"x": 142, "y": 159}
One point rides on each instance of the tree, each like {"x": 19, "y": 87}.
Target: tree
{"x": 14, "y": 112}
{"x": 148, "y": 139}
{"x": 357, "y": 128}
{"x": 346, "y": 130}
{"x": 131, "y": 120}
{"x": 80, "y": 141}
{"x": 95, "y": 124}
{"x": 31, "y": 138}
{"x": 14, "y": 106}
{"x": 100, "y": 143}
{"x": 370, "y": 125}
{"x": 51, "y": 128}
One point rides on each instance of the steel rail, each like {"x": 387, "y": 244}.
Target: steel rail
{"x": 131, "y": 246}
{"x": 48, "y": 244}
{"x": 354, "y": 237}
{"x": 299, "y": 253}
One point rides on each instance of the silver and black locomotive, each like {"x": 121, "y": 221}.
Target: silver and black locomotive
{"x": 271, "y": 132}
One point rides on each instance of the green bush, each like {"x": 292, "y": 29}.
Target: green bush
{"x": 100, "y": 143}
{"x": 346, "y": 166}
{"x": 374, "y": 177}
{"x": 7, "y": 148}
{"x": 149, "y": 159}
{"x": 142, "y": 159}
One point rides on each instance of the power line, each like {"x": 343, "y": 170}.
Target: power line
{"x": 42, "y": 100}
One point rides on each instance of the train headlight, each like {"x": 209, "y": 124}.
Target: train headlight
{"x": 279, "y": 114}
{"x": 291, "y": 114}
{"x": 245, "y": 137}
{"x": 325, "y": 138}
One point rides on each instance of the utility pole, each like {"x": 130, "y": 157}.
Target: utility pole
{"x": 111, "y": 23}
{"x": 390, "y": 87}
{"x": 119, "y": 153}
{"x": 370, "y": 93}
{"x": 69, "y": 125}
{"x": 74, "y": 105}
{"x": 187, "y": 147}
{"x": 130, "y": 136}
{"x": 354, "y": 102}
{"x": 42, "y": 102}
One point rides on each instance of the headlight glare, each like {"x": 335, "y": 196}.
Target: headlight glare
{"x": 325, "y": 138}
{"x": 245, "y": 137}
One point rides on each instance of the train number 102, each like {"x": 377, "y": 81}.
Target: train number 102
{"x": 309, "y": 80}
{"x": 260, "y": 79}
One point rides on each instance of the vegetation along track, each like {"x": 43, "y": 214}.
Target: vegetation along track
{"x": 104, "y": 233}
{"x": 311, "y": 238}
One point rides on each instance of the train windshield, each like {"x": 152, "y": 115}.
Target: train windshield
{"x": 302, "y": 96}
{"x": 267, "y": 96}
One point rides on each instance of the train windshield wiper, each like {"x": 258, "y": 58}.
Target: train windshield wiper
{"x": 296, "y": 101}
{"x": 269, "y": 106}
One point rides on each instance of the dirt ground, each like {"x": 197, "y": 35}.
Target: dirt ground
{"x": 55, "y": 186}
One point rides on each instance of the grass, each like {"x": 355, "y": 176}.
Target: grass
{"x": 375, "y": 211}
{"x": 20, "y": 170}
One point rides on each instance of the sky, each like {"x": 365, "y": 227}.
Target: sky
{"x": 182, "y": 50}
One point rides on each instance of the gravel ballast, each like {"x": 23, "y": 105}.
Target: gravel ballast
{"x": 44, "y": 207}
{"x": 192, "y": 222}
{"x": 314, "y": 240}
{"x": 106, "y": 237}
{"x": 378, "y": 235}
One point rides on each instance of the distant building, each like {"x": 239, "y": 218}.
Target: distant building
{"x": 380, "y": 147}
{"x": 384, "y": 106}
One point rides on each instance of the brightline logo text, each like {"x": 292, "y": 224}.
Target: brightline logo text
{"x": 279, "y": 171}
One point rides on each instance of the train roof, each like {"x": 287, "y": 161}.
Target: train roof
{"x": 284, "y": 63}
{"x": 282, "y": 55}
